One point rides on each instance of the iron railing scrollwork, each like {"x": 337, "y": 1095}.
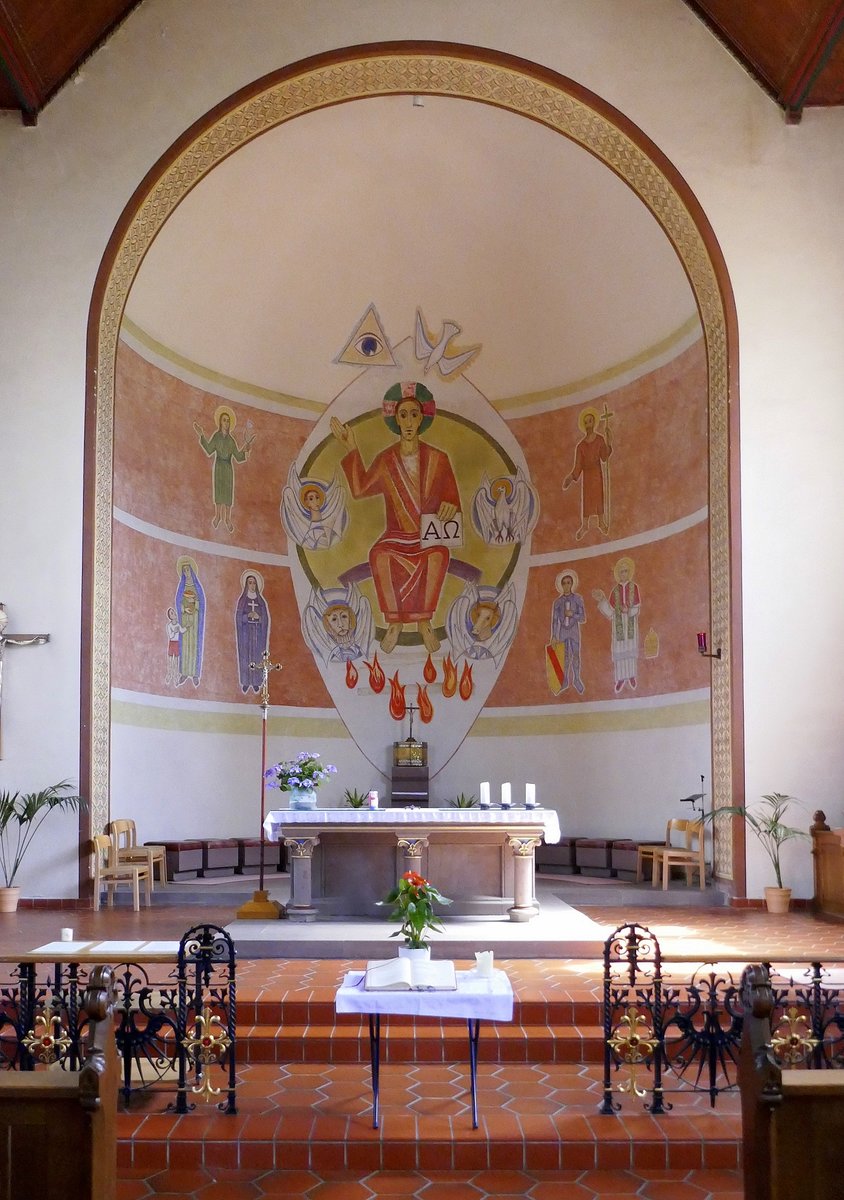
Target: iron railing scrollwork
{"x": 666, "y": 1036}
{"x": 181, "y": 1027}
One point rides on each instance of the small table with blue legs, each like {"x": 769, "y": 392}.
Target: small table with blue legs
{"x": 476, "y": 999}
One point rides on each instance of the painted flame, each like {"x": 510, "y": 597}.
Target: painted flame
{"x": 398, "y": 705}
{"x": 426, "y": 708}
{"x": 449, "y": 677}
{"x": 429, "y": 672}
{"x": 377, "y": 678}
{"x": 351, "y": 674}
{"x": 466, "y": 685}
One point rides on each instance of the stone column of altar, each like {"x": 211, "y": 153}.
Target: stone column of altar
{"x": 300, "y": 854}
{"x": 524, "y": 902}
{"x": 412, "y": 849}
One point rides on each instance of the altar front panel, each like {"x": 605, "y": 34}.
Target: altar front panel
{"x": 357, "y": 857}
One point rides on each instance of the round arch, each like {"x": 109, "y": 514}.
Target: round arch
{"x": 461, "y": 72}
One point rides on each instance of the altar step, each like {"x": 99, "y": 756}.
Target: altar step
{"x": 318, "y": 1117}
{"x": 289, "y": 1031}
{"x": 304, "y": 1097}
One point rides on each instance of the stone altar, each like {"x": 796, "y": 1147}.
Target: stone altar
{"x": 343, "y": 861}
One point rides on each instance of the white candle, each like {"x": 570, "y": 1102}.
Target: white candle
{"x": 530, "y": 795}
{"x": 67, "y": 935}
{"x": 505, "y": 795}
{"x": 485, "y": 795}
{"x": 484, "y": 960}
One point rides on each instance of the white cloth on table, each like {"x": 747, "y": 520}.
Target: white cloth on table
{"x": 545, "y": 820}
{"x": 476, "y": 998}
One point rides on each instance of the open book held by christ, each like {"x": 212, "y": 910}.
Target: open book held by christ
{"x": 409, "y": 975}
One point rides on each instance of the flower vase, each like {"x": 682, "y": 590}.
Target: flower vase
{"x": 417, "y": 953}
{"x": 303, "y": 798}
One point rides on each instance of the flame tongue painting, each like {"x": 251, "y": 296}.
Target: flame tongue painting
{"x": 466, "y": 684}
{"x": 429, "y": 674}
{"x": 449, "y": 677}
{"x": 377, "y": 678}
{"x": 426, "y": 708}
{"x": 398, "y": 705}
{"x": 351, "y": 674}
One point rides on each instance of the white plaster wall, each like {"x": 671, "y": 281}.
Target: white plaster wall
{"x": 771, "y": 192}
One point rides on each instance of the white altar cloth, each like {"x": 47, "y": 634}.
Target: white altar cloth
{"x": 545, "y": 820}
{"x": 476, "y": 998}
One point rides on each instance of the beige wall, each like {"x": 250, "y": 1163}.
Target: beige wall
{"x": 771, "y": 192}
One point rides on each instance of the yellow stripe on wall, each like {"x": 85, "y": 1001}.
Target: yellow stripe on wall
{"x": 187, "y": 720}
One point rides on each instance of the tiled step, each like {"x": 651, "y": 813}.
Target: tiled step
{"x": 347, "y": 1041}
{"x": 318, "y": 1117}
{"x": 293, "y": 1030}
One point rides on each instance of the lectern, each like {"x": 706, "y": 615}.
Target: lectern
{"x": 409, "y": 783}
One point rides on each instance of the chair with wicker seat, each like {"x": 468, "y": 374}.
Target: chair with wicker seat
{"x": 109, "y": 873}
{"x": 125, "y": 840}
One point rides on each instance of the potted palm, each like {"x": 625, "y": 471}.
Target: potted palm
{"x": 766, "y": 818}
{"x": 21, "y": 816}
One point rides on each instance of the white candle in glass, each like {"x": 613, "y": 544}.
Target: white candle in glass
{"x": 505, "y": 795}
{"x": 530, "y": 795}
{"x": 485, "y": 795}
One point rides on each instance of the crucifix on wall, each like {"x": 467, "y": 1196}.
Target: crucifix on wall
{"x": 14, "y": 639}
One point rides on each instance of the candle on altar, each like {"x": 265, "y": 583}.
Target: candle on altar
{"x": 530, "y": 795}
{"x": 505, "y": 795}
{"x": 485, "y": 795}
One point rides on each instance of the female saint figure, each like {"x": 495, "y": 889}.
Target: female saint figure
{"x": 252, "y": 626}
{"x": 190, "y": 613}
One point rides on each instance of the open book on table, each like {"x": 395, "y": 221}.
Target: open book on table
{"x": 408, "y": 975}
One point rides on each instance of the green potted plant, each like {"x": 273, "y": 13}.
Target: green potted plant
{"x": 413, "y": 899}
{"x": 21, "y": 816}
{"x": 352, "y": 798}
{"x": 463, "y": 801}
{"x": 766, "y": 818}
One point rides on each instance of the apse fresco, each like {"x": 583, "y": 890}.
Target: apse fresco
{"x": 406, "y": 546}
{"x": 417, "y": 598}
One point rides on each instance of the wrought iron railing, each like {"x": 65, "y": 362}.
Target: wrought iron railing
{"x": 178, "y": 1029}
{"x": 675, "y": 1027}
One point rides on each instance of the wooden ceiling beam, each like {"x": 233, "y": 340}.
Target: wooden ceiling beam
{"x": 18, "y": 68}
{"x": 822, "y": 40}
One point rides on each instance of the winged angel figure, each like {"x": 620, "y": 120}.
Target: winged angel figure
{"x": 482, "y": 621}
{"x": 337, "y": 624}
{"x": 505, "y": 510}
{"x": 314, "y": 513}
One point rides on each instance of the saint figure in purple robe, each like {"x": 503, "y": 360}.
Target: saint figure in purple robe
{"x": 252, "y": 624}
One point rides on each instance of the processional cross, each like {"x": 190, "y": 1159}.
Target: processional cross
{"x": 264, "y": 666}
{"x": 15, "y": 639}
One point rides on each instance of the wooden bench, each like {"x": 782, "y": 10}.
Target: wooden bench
{"x": 57, "y": 1128}
{"x": 791, "y": 1119}
{"x": 828, "y": 860}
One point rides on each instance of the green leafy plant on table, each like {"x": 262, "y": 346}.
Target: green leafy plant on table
{"x": 413, "y": 899}
{"x": 21, "y": 816}
{"x": 353, "y": 798}
{"x": 463, "y": 801}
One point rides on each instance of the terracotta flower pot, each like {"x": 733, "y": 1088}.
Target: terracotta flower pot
{"x": 777, "y": 899}
{"x": 9, "y": 899}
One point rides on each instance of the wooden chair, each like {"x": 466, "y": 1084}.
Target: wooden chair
{"x": 109, "y": 873}
{"x": 648, "y": 851}
{"x": 690, "y": 856}
{"x": 125, "y": 840}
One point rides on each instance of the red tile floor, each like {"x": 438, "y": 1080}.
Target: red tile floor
{"x": 541, "y": 1134}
